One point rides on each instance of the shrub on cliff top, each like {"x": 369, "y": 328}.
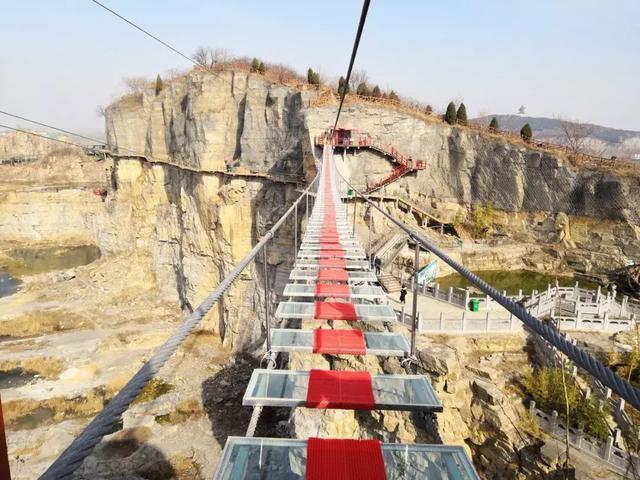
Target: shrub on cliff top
{"x": 261, "y": 68}
{"x": 526, "y": 133}
{"x": 450, "y": 115}
{"x": 159, "y": 85}
{"x": 255, "y": 65}
{"x": 376, "y": 92}
{"x": 493, "y": 125}
{"x": 343, "y": 88}
{"x": 313, "y": 77}
{"x": 393, "y": 96}
{"x": 363, "y": 90}
{"x": 461, "y": 115}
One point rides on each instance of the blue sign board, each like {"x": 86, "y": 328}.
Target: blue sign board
{"x": 428, "y": 274}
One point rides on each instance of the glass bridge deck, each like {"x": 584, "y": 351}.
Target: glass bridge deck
{"x": 282, "y": 459}
{"x": 384, "y": 344}
{"x": 364, "y": 313}
{"x": 288, "y": 388}
{"x": 313, "y": 274}
{"x": 353, "y": 292}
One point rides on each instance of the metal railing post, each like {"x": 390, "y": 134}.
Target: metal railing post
{"x": 414, "y": 313}
{"x": 295, "y": 232}
{"x": 355, "y": 205}
{"x": 266, "y": 297}
{"x": 370, "y": 220}
{"x": 4, "y": 453}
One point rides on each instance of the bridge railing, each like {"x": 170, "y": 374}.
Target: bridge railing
{"x": 547, "y": 332}
{"x": 107, "y": 420}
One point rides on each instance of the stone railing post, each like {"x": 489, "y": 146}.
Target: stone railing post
{"x": 466, "y": 298}
{"x": 576, "y": 291}
{"x": 619, "y": 407}
{"x": 623, "y": 306}
{"x": 511, "y": 322}
{"x": 464, "y": 320}
{"x": 532, "y": 408}
{"x": 579, "y": 437}
{"x": 450, "y": 295}
{"x": 608, "y": 448}
{"x": 578, "y": 321}
{"x": 420, "y": 322}
{"x": 436, "y": 290}
{"x": 424, "y": 288}
{"x": 598, "y": 294}
{"x": 486, "y": 322}
{"x": 519, "y": 293}
{"x": 554, "y": 421}
{"x": 487, "y": 299}
{"x": 605, "y": 320}
{"x": 441, "y": 322}
{"x": 607, "y": 393}
{"x": 413, "y": 282}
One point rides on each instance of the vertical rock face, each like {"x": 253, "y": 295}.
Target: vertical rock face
{"x": 464, "y": 166}
{"x": 197, "y": 222}
{"x": 213, "y": 122}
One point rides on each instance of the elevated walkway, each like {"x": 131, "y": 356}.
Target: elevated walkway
{"x": 333, "y": 277}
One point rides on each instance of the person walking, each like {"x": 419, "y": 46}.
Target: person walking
{"x": 378, "y": 264}
{"x": 403, "y": 294}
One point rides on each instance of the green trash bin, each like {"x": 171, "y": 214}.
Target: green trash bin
{"x": 474, "y": 304}
{"x": 350, "y": 193}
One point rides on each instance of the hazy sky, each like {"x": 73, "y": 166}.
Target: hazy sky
{"x": 575, "y": 58}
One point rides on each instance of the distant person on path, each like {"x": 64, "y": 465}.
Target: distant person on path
{"x": 378, "y": 264}
{"x": 403, "y": 294}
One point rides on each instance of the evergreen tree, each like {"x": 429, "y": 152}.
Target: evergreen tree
{"x": 363, "y": 90}
{"x": 376, "y": 92}
{"x": 450, "y": 115}
{"x": 313, "y": 77}
{"x": 159, "y": 85}
{"x": 393, "y": 96}
{"x": 343, "y": 88}
{"x": 493, "y": 126}
{"x": 428, "y": 110}
{"x": 255, "y": 65}
{"x": 526, "y": 133}
{"x": 261, "y": 68}
{"x": 461, "y": 115}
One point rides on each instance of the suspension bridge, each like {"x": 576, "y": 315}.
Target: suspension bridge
{"x": 332, "y": 293}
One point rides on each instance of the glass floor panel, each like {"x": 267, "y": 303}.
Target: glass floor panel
{"x": 317, "y": 253}
{"x": 384, "y": 344}
{"x": 287, "y": 388}
{"x": 367, "y": 293}
{"x": 306, "y": 311}
{"x": 246, "y": 458}
{"x": 312, "y": 274}
{"x": 313, "y": 264}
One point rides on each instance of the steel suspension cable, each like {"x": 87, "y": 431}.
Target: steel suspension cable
{"x": 148, "y": 33}
{"x": 68, "y": 132}
{"x": 354, "y": 51}
{"x": 27, "y": 132}
{"x": 581, "y": 358}
{"x": 105, "y": 422}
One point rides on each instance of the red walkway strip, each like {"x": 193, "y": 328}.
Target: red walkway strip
{"x": 339, "y": 342}
{"x": 344, "y": 460}
{"x": 340, "y": 389}
{"x": 333, "y": 290}
{"x": 339, "y": 263}
{"x": 335, "y": 311}
{"x": 332, "y": 275}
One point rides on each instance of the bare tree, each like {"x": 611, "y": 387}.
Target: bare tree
{"x": 100, "y": 110}
{"x": 135, "y": 84}
{"x": 575, "y": 134}
{"x": 220, "y": 55}
{"x": 202, "y": 55}
{"x": 358, "y": 77}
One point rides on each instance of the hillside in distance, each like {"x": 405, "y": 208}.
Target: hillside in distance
{"x": 602, "y": 140}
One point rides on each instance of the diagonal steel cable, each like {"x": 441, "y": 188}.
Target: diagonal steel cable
{"x": 581, "y": 358}
{"x": 105, "y": 422}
